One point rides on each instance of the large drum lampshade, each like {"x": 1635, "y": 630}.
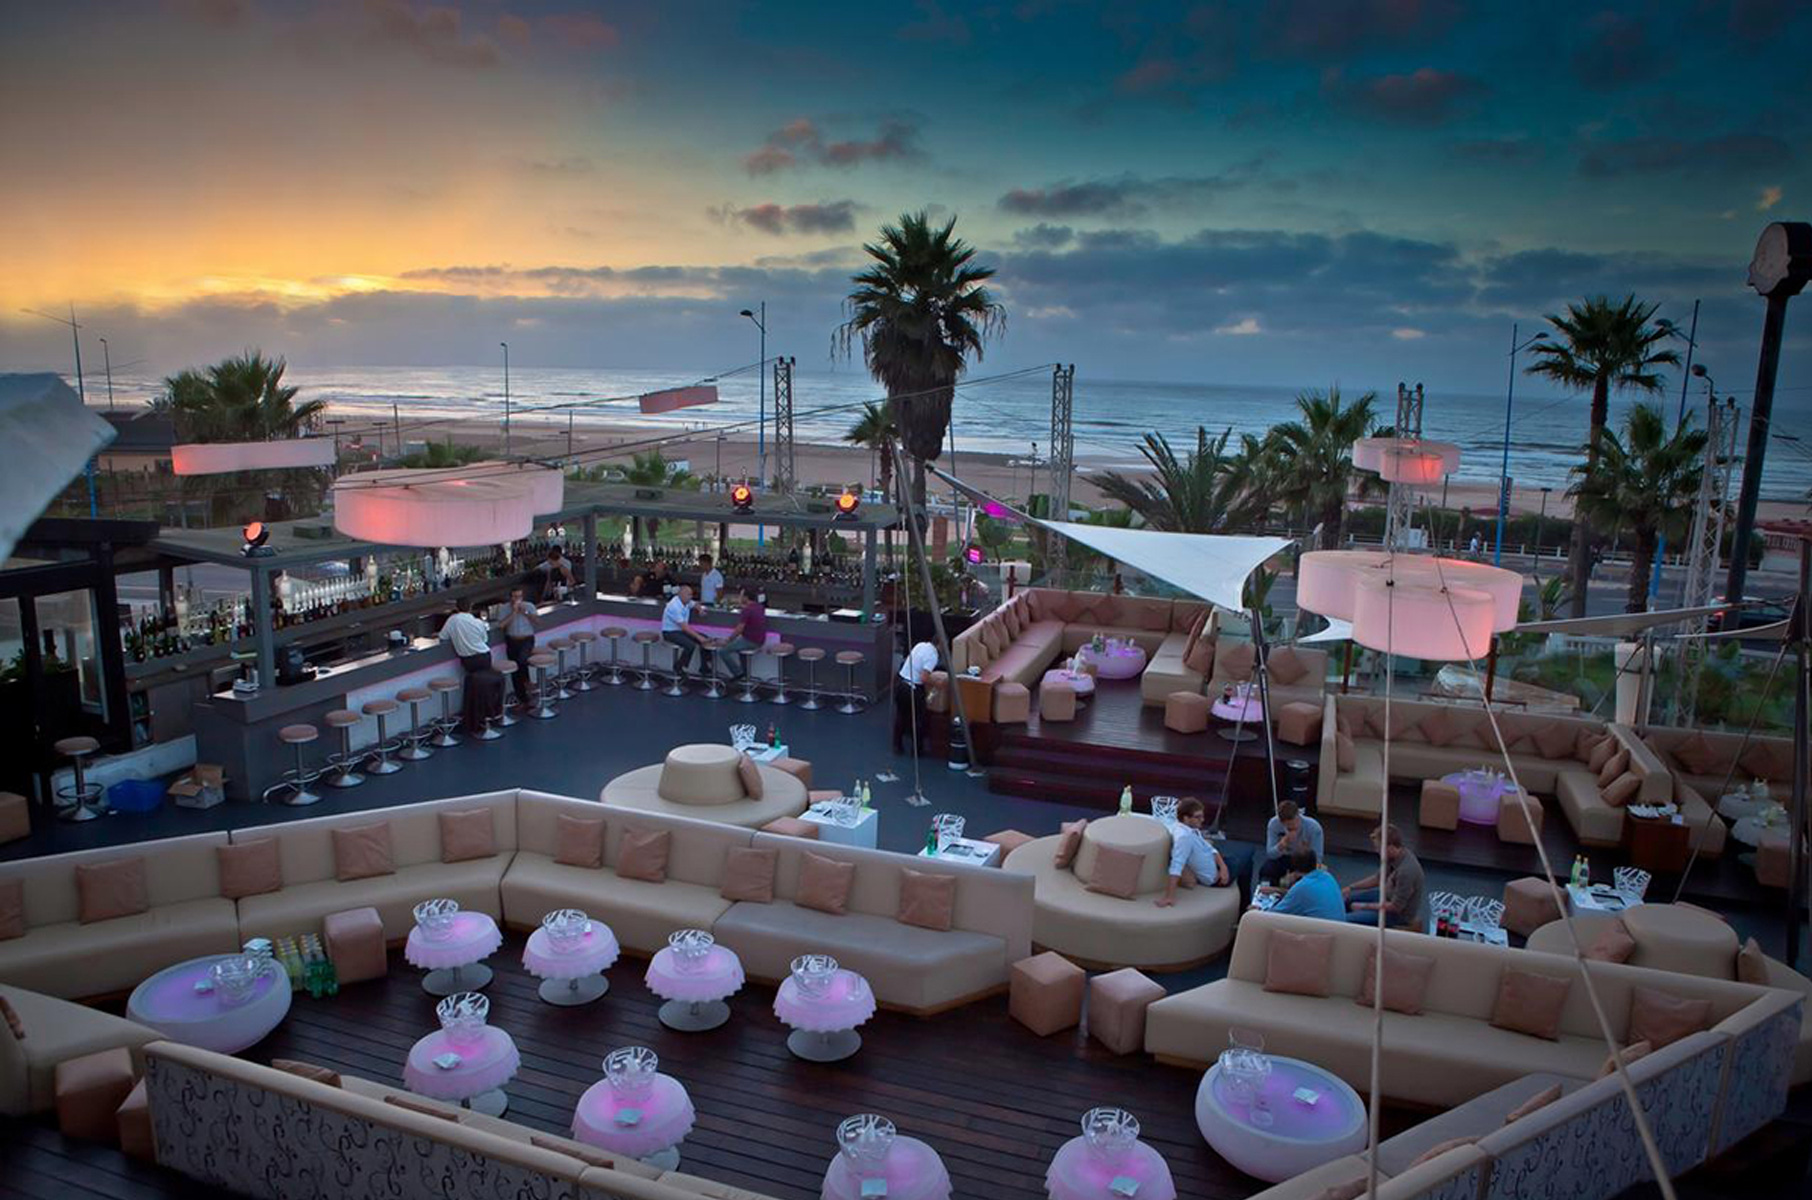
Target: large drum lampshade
{"x": 447, "y": 512}
{"x": 1416, "y": 620}
{"x": 1409, "y": 461}
{"x": 1327, "y": 581}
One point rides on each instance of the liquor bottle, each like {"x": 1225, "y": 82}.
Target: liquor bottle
{"x": 931, "y": 842}
{"x": 1126, "y": 799}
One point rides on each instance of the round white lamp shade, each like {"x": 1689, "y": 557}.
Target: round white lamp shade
{"x": 546, "y": 486}
{"x": 1451, "y": 624}
{"x": 450, "y": 512}
{"x": 219, "y": 458}
{"x": 1408, "y": 461}
{"x": 1327, "y": 581}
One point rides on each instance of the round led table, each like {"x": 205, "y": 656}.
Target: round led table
{"x": 475, "y": 1081}
{"x": 912, "y": 1169}
{"x": 1078, "y": 1173}
{"x": 455, "y": 962}
{"x": 1120, "y": 660}
{"x": 1301, "y": 1136}
{"x": 824, "y": 1022}
{"x": 571, "y": 975}
{"x": 1080, "y": 682}
{"x": 695, "y": 993}
{"x": 169, "y": 1003}
{"x": 648, "y": 1127}
{"x": 1241, "y": 713}
{"x": 1480, "y": 792}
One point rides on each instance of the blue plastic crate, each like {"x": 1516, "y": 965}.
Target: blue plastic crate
{"x": 136, "y": 795}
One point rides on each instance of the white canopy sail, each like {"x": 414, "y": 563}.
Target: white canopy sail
{"x": 1212, "y": 566}
{"x": 50, "y": 438}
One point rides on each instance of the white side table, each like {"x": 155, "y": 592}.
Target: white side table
{"x": 865, "y": 832}
{"x": 967, "y": 851}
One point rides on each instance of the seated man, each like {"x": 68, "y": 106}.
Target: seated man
{"x": 677, "y": 630}
{"x": 1287, "y": 832}
{"x": 1312, "y": 890}
{"x": 1189, "y": 850}
{"x": 1402, "y": 894}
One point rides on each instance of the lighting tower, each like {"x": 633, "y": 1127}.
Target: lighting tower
{"x": 1408, "y": 428}
{"x": 1708, "y": 520}
{"x": 783, "y": 425}
{"x": 1063, "y": 461}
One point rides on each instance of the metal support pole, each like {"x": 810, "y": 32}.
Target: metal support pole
{"x": 1802, "y": 755}
{"x": 1063, "y": 466}
{"x": 1761, "y": 414}
{"x": 261, "y": 626}
{"x": 1503, "y": 475}
{"x": 591, "y": 555}
{"x": 868, "y": 575}
{"x": 506, "y": 405}
{"x": 785, "y": 475}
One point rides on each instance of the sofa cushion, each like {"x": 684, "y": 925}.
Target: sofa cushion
{"x": 1405, "y": 980}
{"x": 12, "y": 909}
{"x": 1299, "y": 963}
{"x": 249, "y": 868}
{"x": 1071, "y": 841}
{"x": 1600, "y": 750}
{"x": 1346, "y": 755}
{"x": 751, "y": 776}
{"x": 641, "y": 914}
{"x": 111, "y": 889}
{"x": 70, "y": 959}
{"x": 1614, "y": 766}
{"x": 10, "y": 1016}
{"x": 1699, "y": 756}
{"x": 362, "y": 852}
{"x": 642, "y": 854}
{"x": 926, "y": 900}
{"x": 824, "y": 883}
{"x": 1626, "y": 1056}
{"x": 306, "y": 1070}
{"x": 1235, "y": 662}
{"x": 1200, "y": 656}
{"x": 1115, "y": 872}
{"x": 1621, "y": 790}
{"x": 1661, "y": 1019}
{"x": 581, "y": 841}
{"x": 1439, "y": 1148}
{"x": 1285, "y": 665}
{"x": 301, "y": 908}
{"x": 749, "y": 874}
{"x": 1442, "y": 727}
{"x": 1547, "y": 1095}
{"x": 466, "y": 834}
{"x": 1613, "y": 945}
{"x": 1556, "y": 739}
{"x": 1768, "y": 759}
{"x": 1530, "y": 1002}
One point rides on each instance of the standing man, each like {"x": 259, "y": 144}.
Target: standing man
{"x": 750, "y": 633}
{"x": 1287, "y": 832}
{"x": 555, "y": 572}
{"x": 676, "y": 628}
{"x": 471, "y": 641}
{"x": 909, "y": 689}
{"x": 1402, "y": 894}
{"x": 710, "y": 580}
{"x": 518, "y": 625}
{"x": 1191, "y": 851}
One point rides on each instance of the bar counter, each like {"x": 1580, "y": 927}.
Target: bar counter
{"x": 239, "y": 731}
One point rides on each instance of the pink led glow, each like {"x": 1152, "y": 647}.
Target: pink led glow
{"x": 1406, "y": 460}
{"x": 218, "y": 458}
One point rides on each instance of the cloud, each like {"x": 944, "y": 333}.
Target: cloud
{"x": 431, "y": 33}
{"x": 1757, "y": 20}
{"x": 1244, "y": 327}
{"x": 801, "y": 141}
{"x": 582, "y": 31}
{"x": 1770, "y": 197}
{"x": 1408, "y": 333}
{"x": 1044, "y": 237}
{"x": 1126, "y": 195}
{"x": 1617, "y": 54}
{"x": 1425, "y": 96}
{"x": 1506, "y": 151}
{"x": 831, "y": 216}
{"x": 935, "y": 25}
{"x": 1333, "y": 30}
{"x": 565, "y": 166}
{"x": 895, "y": 140}
{"x": 1735, "y": 152}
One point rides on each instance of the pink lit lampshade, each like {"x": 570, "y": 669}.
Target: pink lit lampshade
{"x": 380, "y": 507}
{"x": 1328, "y": 581}
{"x": 1416, "y": 620}
{"x": 218, "y": 458}
{"x": 546, "y": 486}
{"x": 1407, "y": 460}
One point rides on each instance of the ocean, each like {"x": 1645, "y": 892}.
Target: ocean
{"x": 1001, "y": 412}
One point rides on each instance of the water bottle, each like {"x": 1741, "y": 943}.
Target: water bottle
{"x": 931, "y": 842}
{"x": 1126, "y": 800}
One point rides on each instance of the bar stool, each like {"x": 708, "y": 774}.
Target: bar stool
{"x": 539, "y": 662}
{"x": 676, "y": 685}
{"x": 413, "y": 749}
{"x": 714, "y": 689}
{"x": 781, "y": 652}
{"x": 614, "y": 676}
{"x": 299, "y": 777}
{"x": 559, "y": 646}
{"x": 647, "y": 638}
{"x": 507, "y": 668}
{"x": 446, "y": 723}
{"x": 493, "y": 719}
{"x": 340, "y": 765}
{"x": 384, "y": 764}
{"x": 582, "y": 676}
{"x": 82, "y": 801}
{"x": 811, "y": 656}
{"x": 748, "y": 696}
{"x": 850, "y": 660}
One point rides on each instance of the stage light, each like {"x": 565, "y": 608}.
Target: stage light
{"x": 973, "y": 554}
{"x": 742, "y": 498}
{"x": 255, "y": 535}
{"x": 847, "y": 504}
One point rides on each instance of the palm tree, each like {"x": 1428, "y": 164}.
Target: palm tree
{"x": 1310, "y": 461}
{"x": 921, "y": 313}
{"x": 1605, "y": 347}
{"x": 1646, "y": 481}
{"x": 652, "y": 470}
{"x": 873, "y": 431}
{"x": 1206, "y": 491}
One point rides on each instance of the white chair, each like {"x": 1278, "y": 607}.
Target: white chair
{"x": 742, "y": 736}
{"x": 1631, "y": 881}
{"x": 1164, "y": 808}
{"x": 949, "y": 827}
{"x": 1484, "y": 912}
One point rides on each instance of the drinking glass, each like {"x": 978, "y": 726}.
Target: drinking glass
{"x": 630, "y": 1070}
{"x": 233, "y": 978}
{"x": 565, "y": 926}
{"x": 1110, "y": 1132}
{"x": 865, "y": 1139}
{"x": 690, "y": 946}
{"x": 463, "y": 1015}
{"x": 814, "y": 971}
{"x": 436, "y": 918}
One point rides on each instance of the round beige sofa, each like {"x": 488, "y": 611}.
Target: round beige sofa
{"x": 1098, "y": 930}
{"x": 702, "y": 781}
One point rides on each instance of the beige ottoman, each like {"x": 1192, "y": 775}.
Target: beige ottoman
{"x": 1056, "y": 702}
{"x": 1528, "y": 905}
{"x": 1012, "y": 704}
{"x": 798, "y": 768}
{"x": 1670, "y": 937}
{"x": 15, "y": 817}
{"x": 1440, "y": 805}
{"x": 1513, "y": 823}
{"x": 1771, "y": 866}
{"x": 792, "y": 827}
{"x": 133, "y": 1124}
{"x": 355, "y": 944}
{"x": 1117, "y": 1002}
{"x": 90, "y": 1090}
{"x": 1299, "y": 723}
{"x": 1044, "y": 993}
{"x": 1008, "y": 840}
{"x": 1186, "y": 712}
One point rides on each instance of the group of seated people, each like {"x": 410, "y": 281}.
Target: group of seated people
{"x": 1293, "y": 869}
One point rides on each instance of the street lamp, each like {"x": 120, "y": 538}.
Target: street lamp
{"x": 1540, "y": 518}
{"x": 1503, "y": 479}
{"x": 107, "y": 358}
{"x": 506, "y": 398}
{"x": 761, "y": 417}
{"x": 1690, "y": 337}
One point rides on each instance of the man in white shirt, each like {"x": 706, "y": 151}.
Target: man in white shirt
{"x": 909, "y": 688}
{"x": 676, "y": 628}
{"x": 1190, "y": 850}
{"x": 470, "y": 638}
{"x": 710, "y": 580}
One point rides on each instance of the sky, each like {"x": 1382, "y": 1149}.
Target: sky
{"x": 1294, "y": 192}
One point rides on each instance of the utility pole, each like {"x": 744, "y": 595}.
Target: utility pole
{"x": 783, "y": 425}
{"x": 1703, "y": 546}
{"x": 1063, "y": 462}
{"x": 1409, "y": 428}
{"x": 107, "y": 357}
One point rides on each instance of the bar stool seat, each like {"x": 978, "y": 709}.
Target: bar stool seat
{"x": 507, "y": 668}
{"x": 446, "y": 723}
{"x": 413, "y": 740}
{"x": 559, "y": 646}
{"x": 340, "y": 764}
{"x": 81, "y": 801}
{"x": 582, "y": 673}
{"x": 709, "y": 650}
{"x": 540, "y": 662}
{"x": 811, "y": 656}
{"x": 781, "y": 652}
{"x": 748, "y": 655}
{"x": 383, "y": 764}
{"x": 614, "y": 676}
{"x": 297, "y": 779}
{"x": 646, "y": 638}
{"x": 853, "y": 700}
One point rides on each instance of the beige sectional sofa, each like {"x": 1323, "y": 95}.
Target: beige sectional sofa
{"x": 1720, "y": 762}
{"x": 1297, "y": 674}
{"x": 1432, "y": 739}
{"x": 53, "y": 1031}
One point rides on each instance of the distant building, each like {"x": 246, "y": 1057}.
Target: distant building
{"x": 142, "y": 444}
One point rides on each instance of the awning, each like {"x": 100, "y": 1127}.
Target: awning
{"x": 1337, "y": 631}
{"x": 1620, "y": 624}
{"x": 49, "y": 438}
{"x": 1213, "y": 566}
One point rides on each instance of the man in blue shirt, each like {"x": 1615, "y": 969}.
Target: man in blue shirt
{"x": 1190, "y": 849}
{"x": 1316, "y": 893}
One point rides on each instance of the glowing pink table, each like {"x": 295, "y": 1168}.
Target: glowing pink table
{"x": 477, "y": 1082}
{"x": 571, "y": 976}
{"x": 1080, "y": 682}
{"x": 661, "y": 1120}
{"x": 1480, "y": 792}
{"x": 1243, "y": 712}
{"x": 912, "y": 1169}
{"x": 1115, "y": 662}
{"x": 1078, "y": 1173}
{"x": 169, "y": 1003}
{"x": 1301, "y": 1136}
{"x": 824, "y": 1023}
{"x": 695, "y": 995}
{"x": 455, "y": 963}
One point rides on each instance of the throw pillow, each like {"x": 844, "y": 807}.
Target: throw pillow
{"x": 1346, "y": 755}
{"x": 1661, "y": 1018}
{"x": 1768, "y": 760}
{"x": 1626, "y": 1056}
{"x": 1622, "y": 790}
{"x": 1236, "y": 660}
{"x": 750, "y": 775}
{"x": 362, "y": 852}
{"x": 824, "y": 883}
{"x": 1556, "y": 740}
{"x": 426, "y": 1108}
{"x": 1010, "y": 614}
{"x": 1402, "y": 720}
{"x": 248, "y": 868}
{"x": 1200, "y": 658}
{"x": 307, "y": 1071}
{"x": 1286, "y": 666}
{"x": 1440, "y": 727}
{"x": 1299, "y": 963}
{"x": 1405, "y": 980}
{"x": 1541, "y": 1099}
{"x": 1698, "y": 755}
{"x": 1613, "y": 945}
{"x": 1154, "y": 616}
{"x": 1196, "y": 628}
{"x": 642, "y": 854}
{"x": 111, "y": 889}
{"x": 579, "y": 841}
{"x": 579, "y": 1150}
{"x": 1751, "y": 963}
{"x": 928, "y": 901}
{"x": 1616, "y": 765}
{"x": 1439, "y": 1148}
{"x": 1116, "y": 872}
{"x": 1600, "y": 751}
{"x": 467, "y": 834}
{"x": 1070, "y": 842}
{"x": 12, "y": 910}
{"x": 1531, "y": 1003}
{"x": 749, "y": 874}
{"x": 10, "y": 1015}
